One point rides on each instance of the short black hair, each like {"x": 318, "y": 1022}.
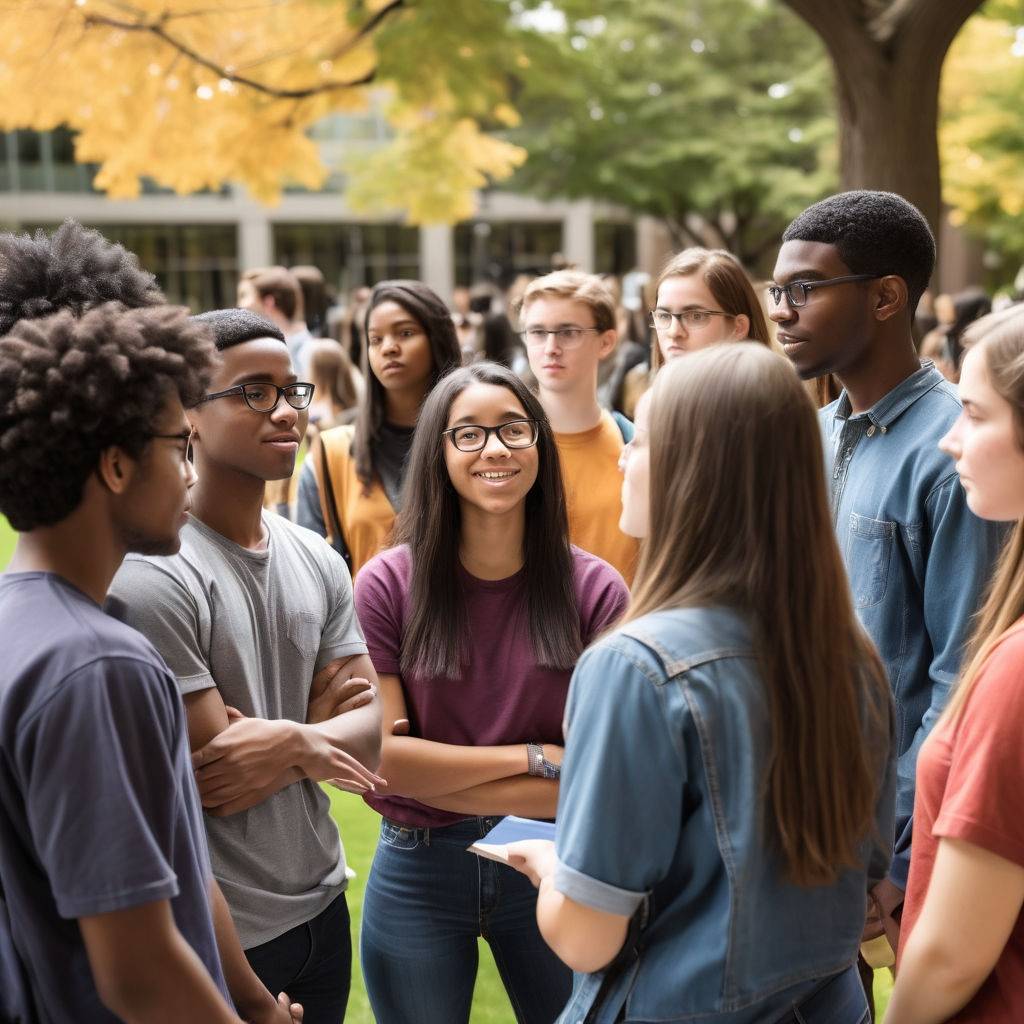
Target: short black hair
{"x": 74, "y": 268}
{"x": 71, "y": 387}
{"x": 234, "y": 326}
{"x": 875, "y": 233}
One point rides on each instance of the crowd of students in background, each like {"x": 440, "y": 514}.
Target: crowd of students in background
{"x": 728, "y": 586}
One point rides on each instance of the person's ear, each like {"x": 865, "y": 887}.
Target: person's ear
{"x": 115, "y": 469}
{"x": 891, "y": 296}
{"x": 607, "y": 342}
{"x": 741, "y": 327}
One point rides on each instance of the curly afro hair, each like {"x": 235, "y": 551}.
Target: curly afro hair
{"x": 71, "y": 387}
{"x": 75, "y": 268}
{"x": 875, "y": 233}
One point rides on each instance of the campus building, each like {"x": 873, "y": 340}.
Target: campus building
{"x": 198, "y": 244}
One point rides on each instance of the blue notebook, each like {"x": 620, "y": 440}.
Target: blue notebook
{"x": 510, "y": 830}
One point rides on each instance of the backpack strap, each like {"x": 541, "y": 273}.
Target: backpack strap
{"x": 626, "y": 428}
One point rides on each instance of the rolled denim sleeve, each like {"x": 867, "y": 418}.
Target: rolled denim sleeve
{"x": 620, "y": 801}
{"x": 962, "y": 553}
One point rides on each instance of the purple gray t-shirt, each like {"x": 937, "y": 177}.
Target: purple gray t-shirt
{"x": 98, "y": 807}
{"x": 504, "y": 696}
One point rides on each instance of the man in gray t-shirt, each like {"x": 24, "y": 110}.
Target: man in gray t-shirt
{"x": 255, "y": 619}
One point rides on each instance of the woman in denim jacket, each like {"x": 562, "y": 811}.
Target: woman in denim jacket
{"x": 728, "y": 785}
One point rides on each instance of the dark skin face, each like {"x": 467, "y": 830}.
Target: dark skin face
{"x": 858, "y": 330}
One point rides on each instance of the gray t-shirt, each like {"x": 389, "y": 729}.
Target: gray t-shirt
{"x": 258, "y": 625}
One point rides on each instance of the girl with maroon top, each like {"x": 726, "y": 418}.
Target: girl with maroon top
{"x": 962, "y": 939}
{"x": 474, "y": 623}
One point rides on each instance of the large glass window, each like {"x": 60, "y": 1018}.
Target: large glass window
{"x": 614, "y": 247}
{"x": 499, "y": 250}
{"x": 350, "y": 255}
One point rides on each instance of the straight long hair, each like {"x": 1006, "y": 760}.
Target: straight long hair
{"x": 1003, "y": 352}
{"x": 433, "y": 642}
{"x": 739, "y": 517}
{"x": 425, "y": 307}
{"x": 729, "y": 285}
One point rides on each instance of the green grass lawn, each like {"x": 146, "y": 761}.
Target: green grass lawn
{"x": 359, "y": 826}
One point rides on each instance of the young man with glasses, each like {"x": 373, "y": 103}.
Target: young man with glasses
{"x": 846, "y": 283}
{"x": 255, "y": 619}
{"x": 568, "y": 326}
{"x": 108, "y": 910}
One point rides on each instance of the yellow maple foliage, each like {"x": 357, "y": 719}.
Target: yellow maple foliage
{"x": 194, "y": 95}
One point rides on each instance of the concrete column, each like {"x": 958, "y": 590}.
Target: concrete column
{"x": 578, "y": 235}
{"x": 255, "y": 240}
{"x": 653, "y": 245}
{"x": 437, "y": 259}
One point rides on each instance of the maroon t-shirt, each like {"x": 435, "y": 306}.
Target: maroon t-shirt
{"x": 504, "y": 696}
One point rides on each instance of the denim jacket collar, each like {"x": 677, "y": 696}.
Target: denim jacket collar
{"x": 888, "y": 409}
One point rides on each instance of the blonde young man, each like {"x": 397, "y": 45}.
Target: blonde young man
{"x": 568, "y": 326}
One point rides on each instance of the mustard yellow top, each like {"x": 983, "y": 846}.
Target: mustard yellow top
{"x": 593, "y": 493}
{"x": 366, "y": 519}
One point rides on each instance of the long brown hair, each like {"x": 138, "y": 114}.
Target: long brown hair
{"x": 739, "y": 516}
{"x": 433, "y": 642}
{"x": 728, "y": 283}
{"x": 425, "y": 307}
{"x": 1003, "y": 352}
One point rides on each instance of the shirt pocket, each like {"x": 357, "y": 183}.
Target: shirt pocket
{"x": 304, "y": 632}
{"x": 869, "y": 552}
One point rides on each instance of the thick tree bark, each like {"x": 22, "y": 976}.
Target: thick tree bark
{"x": 888, "y": 60}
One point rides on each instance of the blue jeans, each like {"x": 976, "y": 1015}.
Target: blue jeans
{"x": 312, "y": 963}
{"x": 427, "y": 900}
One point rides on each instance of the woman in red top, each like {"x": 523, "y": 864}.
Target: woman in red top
{"x": 962, "y": 942}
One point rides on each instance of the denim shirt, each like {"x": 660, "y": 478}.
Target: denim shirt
{"x": 661, "y": 811}
{"x": 917, "y": 557}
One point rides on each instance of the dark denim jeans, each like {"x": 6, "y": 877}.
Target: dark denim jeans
{"x": 427, "y": 901}
{"x": 312, "y": 963}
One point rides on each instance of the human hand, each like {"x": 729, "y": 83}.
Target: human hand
{"x": 338, "y": 695}
{"x": 400, "y": 727}
{"x": 324, "y": 761}
{"x": 281, "y": 1011}
{"x": 553, "y": 753}
{"x": 534, "y": 858}
{"x": 249, "y": 755}
{"x": 885, "y": 901}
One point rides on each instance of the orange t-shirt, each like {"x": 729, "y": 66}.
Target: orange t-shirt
{"x": 970, "y": 776}
{"x": 593, "y": 494}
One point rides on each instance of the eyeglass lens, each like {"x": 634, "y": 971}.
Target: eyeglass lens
{"x": 264, "y": 397}
{"x": 514, "y": 434}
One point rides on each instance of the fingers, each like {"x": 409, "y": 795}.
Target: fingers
{"x": 233, "y": 713}
{"x": 346, "y": 766}
{"x": 359, "y": 700}
{"x": 294, "y": 1009}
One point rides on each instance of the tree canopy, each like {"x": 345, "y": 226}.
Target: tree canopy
{"x": 685, "y": 112}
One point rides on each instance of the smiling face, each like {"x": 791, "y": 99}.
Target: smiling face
{"x": 835, "y": 328}
{"x": 558, "y": 366}
{"x": 683, "y": 292}
{"x": 986, "y": 446}
{"x": 398, "y": 349}
{"x": 635, "y": 463}
{"x": 230, "y": 435}
{"x": 494, "y": 480}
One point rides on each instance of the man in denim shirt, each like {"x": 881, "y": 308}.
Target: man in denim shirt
{"x": 847, "y": 281}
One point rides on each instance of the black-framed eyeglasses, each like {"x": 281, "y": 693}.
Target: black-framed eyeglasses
{"x": 661, "y": 319}
{"x": 797, "y": 291}
{"x": 566, "y": 337}
{"x": 472, "y": 437}
{"x": 264, "y": 397}
{"x": 185, "y": 438}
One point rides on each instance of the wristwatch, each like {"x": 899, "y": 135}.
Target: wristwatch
{"x": 538, "y": 765}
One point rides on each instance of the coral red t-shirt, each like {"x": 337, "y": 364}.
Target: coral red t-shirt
{"x": 970, "y": 786}
{"x": 503, "y": 696}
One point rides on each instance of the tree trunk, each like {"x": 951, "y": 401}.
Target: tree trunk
{"x": 888, "y": 58}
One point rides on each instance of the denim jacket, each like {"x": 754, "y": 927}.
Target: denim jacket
{"x": 917, "y": 557}
{"x": 661, "y": 811}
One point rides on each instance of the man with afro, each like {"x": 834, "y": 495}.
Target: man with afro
{"x": 846, "y": 284}
{"x": 107, "y": 906}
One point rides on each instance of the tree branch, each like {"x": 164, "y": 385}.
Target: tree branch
{"x": 157, "y": 30}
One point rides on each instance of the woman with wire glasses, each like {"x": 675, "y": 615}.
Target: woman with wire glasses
{"x": 474, "y": 622}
